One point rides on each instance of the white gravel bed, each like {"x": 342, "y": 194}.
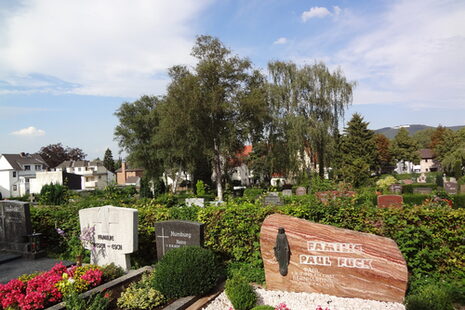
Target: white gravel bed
{"x": 307, "y": 301}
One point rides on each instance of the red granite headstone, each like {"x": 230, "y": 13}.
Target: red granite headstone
{"x": 329, "y": 260}
{"x": 390, "y": 201}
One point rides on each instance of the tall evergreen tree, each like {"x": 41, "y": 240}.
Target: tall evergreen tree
{"x": 108, "y": 161}
{"x": 357, "y": 151}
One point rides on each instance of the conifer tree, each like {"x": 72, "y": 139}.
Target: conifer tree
{"x": 357, "y": 152}
{"x": 108, "y": 161}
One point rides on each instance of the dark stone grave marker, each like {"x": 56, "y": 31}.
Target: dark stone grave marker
{"x": 390, "y": 201}
{"x": 273, "y": 199}
{"x": 300, "y": 191}
{"x": 451, "y": 187}
{"x": 15, "y": 226}
{"x": 175, "y": 234}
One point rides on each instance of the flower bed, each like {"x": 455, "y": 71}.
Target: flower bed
{"x": 43, "y": 289}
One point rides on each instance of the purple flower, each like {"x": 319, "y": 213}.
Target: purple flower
{"x": 60, "y": 231}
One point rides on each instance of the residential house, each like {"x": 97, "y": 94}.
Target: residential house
{"x": 94, "y": 174}
{"x": 239, "y": 170}
{"x": 16, "y": 171}
{"x": 128, "y": 176}
{"x": 428, "y": 163}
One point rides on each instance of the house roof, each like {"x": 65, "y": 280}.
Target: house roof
{"x": 18, "y": 160}
{"x": 79, "y": 163}
{"x": 240, "y": 157}
{"x": 426, "y": 153}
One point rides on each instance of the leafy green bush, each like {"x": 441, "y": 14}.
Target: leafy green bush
{"x": 75, "y": 302}
{"x": 200, "y": 188}
{"x": 240, "y": 293}
{"x": 111, "y": 272}
{"x": 432, "y": 296}
{"x": 141, "y": 295}
{"x": 263, "y": 307}
{"x": 415, "y": 199}
{"x": 249, "y": 271}
{"x": 459, "y": 200}
{"x": 252, "y": 193}
{"x": 53, "y": 194}
{"x": 201, "y": 266}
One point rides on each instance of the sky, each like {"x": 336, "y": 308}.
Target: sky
{"x": 67, "y": 66}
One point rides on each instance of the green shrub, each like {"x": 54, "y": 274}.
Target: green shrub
{"x": 459, "y": 201}
{"x": 200, "y": 188}
{"x": 249, "y": 271}
{"x": 408, "y": 188}
{"x": 431, "y": 296}
{"x": 141, "y": 295}
{"x": 240, "y": 293}
{"x": 415, "y": 199}
{"x": 263, "y": 307}
{"x": 75, "y": 302}
{"x": 187, "y": 271}
{"x": 252, "y": 193}
{"x": 53, "y": 194}
{"x": 111, "y": 272}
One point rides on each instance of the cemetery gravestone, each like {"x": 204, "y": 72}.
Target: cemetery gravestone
{"x": 112, "y": 232}
{"x": 451, "y": 187}
{"x": 407, "y": 182}
{"x": 395, "y": 188}
{"x": 175, "y": 234}
{"x": 272, "y": 198}
{"x": 390, "y": 201}
{"x": 195, "y": 201}
{"x": 300, "y": 191}
{"x": 328, "y": 260}
{"x": 15, "y": 226}
{"x": 287, "y": 192}
{"x": 422, "y": 190}
{"x": 422, "y": 178}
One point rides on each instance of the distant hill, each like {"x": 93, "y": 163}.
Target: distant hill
{"x": 391, "y": 132}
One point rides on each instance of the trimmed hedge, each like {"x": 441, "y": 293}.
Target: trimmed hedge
{"x": 431, "y": 239}
{"x": 459, "y": 201}
{"x": 408, "y": 188}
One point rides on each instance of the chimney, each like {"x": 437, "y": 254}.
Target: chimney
{"x": 123, "y": 171}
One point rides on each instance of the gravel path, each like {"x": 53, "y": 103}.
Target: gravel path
{"x": 307, "y": 301}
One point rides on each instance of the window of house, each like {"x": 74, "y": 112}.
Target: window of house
{"x": 15, "y": 188}
{"x": 38, "y": 167}
{"x": 14, "y": 174}
{"x": 27, "y": 167}
{"x": 99, "y": 177}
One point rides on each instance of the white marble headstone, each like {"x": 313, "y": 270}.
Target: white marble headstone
{"x": 195, "y": 201}
{"x": 115, "y": 234}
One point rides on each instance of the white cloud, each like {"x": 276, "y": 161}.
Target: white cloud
{"x": 315, "y": 12}
{"x": 337, "y": 10}
{"x": 29, "y": 132}
{"x": 413, "y": 55}
{"x": 281, "y": 40}
{"x": 103, "y": 47}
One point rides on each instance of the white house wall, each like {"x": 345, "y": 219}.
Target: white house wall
{"x": 6, "y": 177}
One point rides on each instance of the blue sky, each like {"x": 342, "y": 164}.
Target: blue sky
{"x": 66, "y": 66}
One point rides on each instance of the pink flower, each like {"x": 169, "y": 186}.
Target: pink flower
{"x": 282, "y": 306}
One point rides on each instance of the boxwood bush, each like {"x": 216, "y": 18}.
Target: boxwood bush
{"x": 240, "y": 293}
{"x": 187, "y": 271}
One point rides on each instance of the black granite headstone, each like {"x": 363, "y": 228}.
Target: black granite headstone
{"x": 175, "y": 234}
{"x": 15, "y": 226}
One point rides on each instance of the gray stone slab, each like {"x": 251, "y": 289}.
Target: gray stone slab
{"x": 14, "y": 268}
{"x": 15, "y": 226}
{"x": 273, "y": 199}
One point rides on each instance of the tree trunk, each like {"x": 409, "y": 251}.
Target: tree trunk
{"x": 218, "y": 172}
